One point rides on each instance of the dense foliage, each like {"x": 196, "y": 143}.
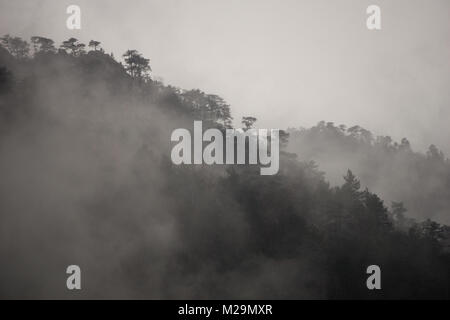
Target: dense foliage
{"x": 392, "y": 170}
{"x": 87, "y": 177}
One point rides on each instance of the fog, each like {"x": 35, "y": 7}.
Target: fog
{"x": 86, "y": 177}
{"x": 288, "y": 63}
{"x": 87, "y": 180}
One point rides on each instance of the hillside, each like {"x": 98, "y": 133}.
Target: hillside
{"x": 392, "y": 170}
{"x": 86, "y": 176}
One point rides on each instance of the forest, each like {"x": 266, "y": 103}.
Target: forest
{"x": 391, "y": 169}
{"x": 86, "y": 178}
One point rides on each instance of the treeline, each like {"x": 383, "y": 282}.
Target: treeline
{"x": 420, "y": 180}
{"x": 85, "y": 167}
{"x": 26, "y": 60}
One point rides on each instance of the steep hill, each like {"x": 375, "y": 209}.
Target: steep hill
{"x": 86, "y": 178}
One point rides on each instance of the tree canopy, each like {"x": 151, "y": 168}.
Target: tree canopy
{"x": 93, "y": 144}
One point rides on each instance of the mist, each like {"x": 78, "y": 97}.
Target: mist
{"x": 86, "y": 176}
{"x": 287, "y": 63}
{"x": 87, "y": 180}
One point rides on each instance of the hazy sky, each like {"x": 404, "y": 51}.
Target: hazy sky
{"x": 287, "y": 62}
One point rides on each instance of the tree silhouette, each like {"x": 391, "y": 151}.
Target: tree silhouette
{"x": 43, "y": 45}
{"x": 94, "y": 44}
{"x": 136, "y": 65}
{"x": 351, "y": 184}
{"x": 73, "y": 47}
{"x": 435, "y": 154}
{"x": 217, "y": 110}
{"x": 16, "y": 46}
{"x": 284, "y": 138}
{"x": 248, "y": 122}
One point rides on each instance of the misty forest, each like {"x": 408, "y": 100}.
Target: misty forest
{"x": 86, "y": 178}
